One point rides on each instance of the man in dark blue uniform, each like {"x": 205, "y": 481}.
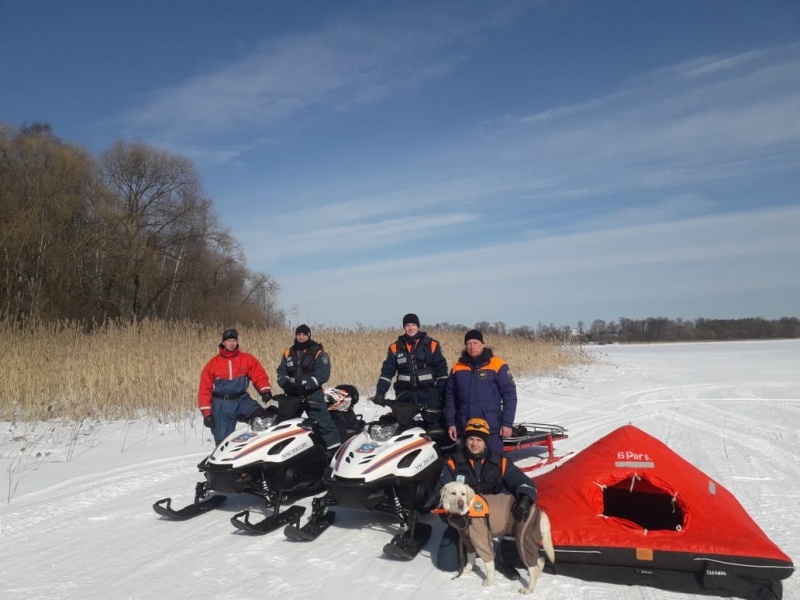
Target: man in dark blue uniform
{"x": 421, "y": 371}
{"x": 305, "y": 367}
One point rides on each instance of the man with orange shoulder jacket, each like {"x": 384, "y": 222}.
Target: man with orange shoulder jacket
{"x": 480, "y": 385}
{"x": 417, "y": 361}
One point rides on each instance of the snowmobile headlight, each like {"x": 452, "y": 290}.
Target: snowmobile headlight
{"x": 380, "y": 432}
{"x": 262, "y": 423}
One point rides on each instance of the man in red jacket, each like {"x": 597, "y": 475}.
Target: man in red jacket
{"x": 222, "y": 396}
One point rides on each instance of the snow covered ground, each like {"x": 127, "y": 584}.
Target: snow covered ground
{"x": 76, "y": 518}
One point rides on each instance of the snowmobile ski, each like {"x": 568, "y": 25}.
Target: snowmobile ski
{"x": 164, "y": 508}
{"x": 311, "y": 530}
{"x": 289, "y": 516}
{"x": 404, "y": 547}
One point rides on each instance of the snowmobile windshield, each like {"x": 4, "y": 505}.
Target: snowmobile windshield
{"x": 380, "y": 432}
{"x": 262, "y": 423}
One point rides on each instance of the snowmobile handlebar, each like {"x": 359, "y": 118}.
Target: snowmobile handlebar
{"x": 403, "y": 411}
{"x": 287, "y": 407}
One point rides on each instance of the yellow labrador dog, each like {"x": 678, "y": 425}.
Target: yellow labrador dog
{"x": 479, "y": 519}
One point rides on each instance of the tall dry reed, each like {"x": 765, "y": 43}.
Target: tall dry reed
{"x": 152, "y": 368}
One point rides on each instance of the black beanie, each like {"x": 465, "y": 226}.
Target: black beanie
{"x": 302, "y": 329}
{"x": 411, "y": 318}
{"x": 473, "y": 334}
{"x": 230, "y": 334}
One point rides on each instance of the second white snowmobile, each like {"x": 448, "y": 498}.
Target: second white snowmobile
{"x": 391, "y": 466}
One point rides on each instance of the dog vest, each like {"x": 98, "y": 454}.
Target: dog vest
{"x": 479, "y": 508}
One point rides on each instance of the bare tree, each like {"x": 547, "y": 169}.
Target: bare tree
{"x": 158, "y": 210}
{"x": 129, "y": 236}
{"x": 45, "y": 222}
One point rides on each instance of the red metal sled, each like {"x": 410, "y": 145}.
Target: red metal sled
{"x": 528, "y": 435}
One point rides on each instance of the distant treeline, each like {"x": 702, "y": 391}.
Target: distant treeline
{"x": 660, "y": 329}
{"x": 652, "y": 329}
{"x": 123, "y": 237}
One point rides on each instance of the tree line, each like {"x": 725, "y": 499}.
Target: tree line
{"x": 128, "y": 235}
{"x": 660, "y": 329}
{"x": 652, "y": 329}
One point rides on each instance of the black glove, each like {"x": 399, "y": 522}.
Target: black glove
{"x": 209, "y": 421}
{"x": 266, "y": 396}
{"x": 379, "y": 399}
{"x": 522, "y": 508}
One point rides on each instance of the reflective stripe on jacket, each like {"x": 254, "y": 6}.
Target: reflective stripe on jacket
{"x": 418, "y": 364}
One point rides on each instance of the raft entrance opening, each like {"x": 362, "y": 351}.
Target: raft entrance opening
{"x": 643, "y": 503}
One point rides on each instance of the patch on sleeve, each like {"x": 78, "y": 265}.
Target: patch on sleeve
{"x": 510, "y": 376}
{"x": 461, "y": 479}
{"x": 325, "y": 360}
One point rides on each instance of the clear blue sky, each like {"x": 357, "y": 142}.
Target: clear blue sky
{"x": 469, "y": 161}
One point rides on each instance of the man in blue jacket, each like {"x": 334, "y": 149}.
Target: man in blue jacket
{"x": 480, "y": 385}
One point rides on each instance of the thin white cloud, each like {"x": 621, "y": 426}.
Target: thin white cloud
{"x": 335, "y": 68}
{"x": 300, "y": 239}
{"x": 653, "y": 82}
{"x": 708, "y": 65}
{"x": 672, "y": 208}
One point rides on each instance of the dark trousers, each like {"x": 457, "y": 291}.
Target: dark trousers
{"x": 447, "y": 555}
{"x": 429, "y": 398}
{"x": 318, "y": 411}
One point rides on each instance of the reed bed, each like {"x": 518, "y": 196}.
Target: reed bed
{"x": 151, "y": 368}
